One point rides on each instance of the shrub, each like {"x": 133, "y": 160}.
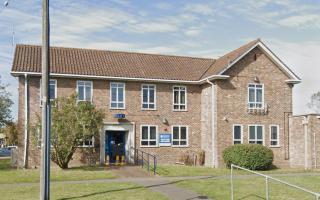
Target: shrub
{"x": 250, "y": 156}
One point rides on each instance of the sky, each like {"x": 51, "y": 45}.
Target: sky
{"x": 290, "y": 28}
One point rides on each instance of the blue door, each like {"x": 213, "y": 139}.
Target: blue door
{"x": 115, "y": 145}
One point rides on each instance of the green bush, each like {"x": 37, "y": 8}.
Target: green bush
{"x": 250, "y": 156}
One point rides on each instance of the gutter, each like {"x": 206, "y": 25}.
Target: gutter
{"x": 26, "y": 121}
{"x": 213, "y": 120}
{"x": 213, "y": 77}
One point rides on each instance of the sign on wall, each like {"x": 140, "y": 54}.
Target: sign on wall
{"x": 119, "y": 116}
{"x": 165, "y": 139}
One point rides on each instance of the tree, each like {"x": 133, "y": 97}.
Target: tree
{"x": 5, "y": 105}
{"x": 314, "y": 104}
{"x": 11, "y": 133}
{"x": 72, "y": 122}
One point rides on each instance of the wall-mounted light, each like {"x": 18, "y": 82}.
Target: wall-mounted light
{"x": 164, "y": 120}
{"x": 256, "y": 79}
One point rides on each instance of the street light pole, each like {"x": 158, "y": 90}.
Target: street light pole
{"x": 45, "y": 148}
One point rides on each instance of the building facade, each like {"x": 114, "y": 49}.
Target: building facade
{"x": 170, "y": 106}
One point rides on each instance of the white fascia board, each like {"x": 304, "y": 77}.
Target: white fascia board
{"x": 214, "y": 77}
{"x": 294, "y": 78}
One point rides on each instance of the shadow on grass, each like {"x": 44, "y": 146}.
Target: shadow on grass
{"x": 249, "y": 196}
{"x": 131, "y": 188}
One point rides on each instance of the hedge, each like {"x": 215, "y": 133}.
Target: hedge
{"x": 250, "y": 156}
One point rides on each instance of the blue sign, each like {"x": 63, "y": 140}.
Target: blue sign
{"x": 119, "y": 116}
{"x": 165, "y": 139}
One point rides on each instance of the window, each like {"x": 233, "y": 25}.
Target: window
{"x": 237, "y": 134}
{"x": 84, "y": 90}
{"x": 117, "y": 95}
{"x": 179, "y": 136}
{"x": 255, "y": 96}
{"x": 256, "y": 134}
{"x": 148, "y": 97}
{"x": 274, "y": 135}
{"x": 52, "y": 90}
{"x": 179, "y": 98}
{"x": 86, "y": 142}
{"x": 148, "y": 136}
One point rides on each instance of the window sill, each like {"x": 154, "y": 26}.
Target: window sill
{"x": 117, "y": 108}
{"x": 180, "y": 110}
{"x": 176, "y": 146}
{"x": 149, "y": 146}
{"x": 274, "y": 146}
{"x": 145, "y": 109}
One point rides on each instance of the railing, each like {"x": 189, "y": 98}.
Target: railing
{"x": 267, "y": 178}
{"x": 145, "y": 160}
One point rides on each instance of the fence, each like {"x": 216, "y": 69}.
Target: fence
{"x": 267, "y": 178}
{"x": 145, "y": 160}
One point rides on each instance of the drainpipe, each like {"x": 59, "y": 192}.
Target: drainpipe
{"x": 213, "y": 134}
{"x": 26, "y": 121}
{"x": 305, "y": 128}
{"x": 314, "y": 150}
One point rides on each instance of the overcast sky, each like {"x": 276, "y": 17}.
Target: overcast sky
{"x": 291, "y": 28}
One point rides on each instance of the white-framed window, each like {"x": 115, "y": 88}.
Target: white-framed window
{"x": 237, "y": 134}
{"x": 256, "y": 134}
{"x": 52, "y": 90}
{"x": 117, "y": 95}
{"x": 86, "y": 142}
{"x": 84, "y": 90}
{"x": 255, "y": 96}
{"x": 179, "y": 136}
{"x": 149, "y": 136}
{"x": 179, "y": 98}
{"x": 274, "y": 136}
{"x": 148, "y": 97}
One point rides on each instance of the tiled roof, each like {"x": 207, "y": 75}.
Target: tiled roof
{"x": 75, "y": 61}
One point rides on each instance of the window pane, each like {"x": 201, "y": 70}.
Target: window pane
{"x": 236, "y": 142}
{"x": 183, "y": 142}
{"x": 251, "y": 95}
{"x": 176, "y": 107}
{"x": 52, "y": 91}
{"x": 252, "y": 132}
{"x": 113, "y": 105}
{"x": 183, "y": 133}
{"x": 259, "y": 132}
{"x": 144, "y": 143}
{"x": 274, "y": 143}
{"x": 152, "y": 132}
{"x": 145, "y": 95}
{"x": 175, "y": 132}
{"x": 151, "y": 97}
{"x": 274, "y": 135}
{"x": 259, "y": 142}
{"x": 81, "y": 92}
{"x": 176, "y": 97}
{"x": 144, "y": 132}
{"x": 120, "y": 94}
{"x": 152, "y": 143}
{"x": 88, "y": 93}
{"x": 175, "y": 142}
{"x": 237, "y": 132}
{"x": 151, "y": 106}
{"x": 120, "y": 105}
{"x": 144, "y": 105}
{"x": 259, "y": 95}
{"x": 114, "y": 94}
{"x": 182, "y": 97}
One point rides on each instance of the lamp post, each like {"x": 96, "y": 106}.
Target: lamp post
{"x": 45, "y": 148}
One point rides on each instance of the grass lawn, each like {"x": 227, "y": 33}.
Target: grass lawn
{"x": 9, "y": 175}
{"x": 96, "y": 191}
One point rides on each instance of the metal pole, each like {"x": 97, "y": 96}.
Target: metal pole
{"x": 142, "y": 159}
{"x": 267, "y": 189}
{"x": 231, "y": 181}
{"x": 45, "y": 149}
{"x": 148, "y": 163}
{"x": 154, "y": 165}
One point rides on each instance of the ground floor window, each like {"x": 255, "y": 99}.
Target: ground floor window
{"x": 237, "y": 134}
{"x": 274, "y": 135}
{"x": 179, "y": 136}
{"x": 148, "y": 136}
{"x": 256, "y": 134}
{"x": 86, "y": 142}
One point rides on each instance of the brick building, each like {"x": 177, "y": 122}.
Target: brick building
{"x": 170, "y": 106}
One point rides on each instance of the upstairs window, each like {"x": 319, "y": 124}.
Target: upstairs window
{"x": 255, "y": 96}
{"x": 256, "y": 134}
{"x": 148, "y": 136}
{"x": 179, "y": 98}
{"x": 148, "y": 97}
{"x": 179, "y": 136}
{"x": 237, "y": 134}
{"x": 117, "y": 95}
{"x": 84, "y": 90}
{"x": 274, "y": 135}
{"x": 52, "y": 90}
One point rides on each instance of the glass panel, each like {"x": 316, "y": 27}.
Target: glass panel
{"x": 259, "y": 132}
{"x": 274, "y": 134}
{"x": 236, "y": 142}
{"x": 52, "y": 91}
{"x": 175, "y": 132}
{"x": 152, "y": 132}
{"x": 183, "y": 142}
{"x": 145, "y": 95}
{"x": 113, "y": 105}
{"x": 175, "y": 142}
{"x": 81, "y": 92}
{"x": 176, "y": 97}
{"x": 120, "y": 94}
{"x": 144, "y": 132}
{"x": 259, "y": 142}
{"x": 252, "y": 142}
{"x": 88, "y": 93}
{"x": 237, "y": 132}
{"x": 259, "y": 95}
{"x": 183, "y": 133}
{"x": 151, "y": 97}
{"x": 251, "y": 95}
{"x": 182, "y": 107}
{"x": 152, "y": 143}
{"x": 274, "y": 143}
{"x": 151, "y": 106}
{"x": 252, "y": 132}
{"x": 120, "y": 105}
{"x": 144, "y": 105}
{"x": 182, "y": 97}
{"x": 144, "y": 143}
{"x": 114, "y": 94}
{"x": 176, "y": 107}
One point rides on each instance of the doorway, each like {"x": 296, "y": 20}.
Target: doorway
{"x": 115, "y": 146}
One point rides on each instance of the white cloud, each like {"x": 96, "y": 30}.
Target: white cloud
{"x": 204, "y": 9}
{"x": 301, "y": 21}
{"x": 193, "y": 31}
